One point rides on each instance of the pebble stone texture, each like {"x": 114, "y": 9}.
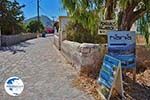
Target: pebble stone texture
{"x": 44, "y": 71}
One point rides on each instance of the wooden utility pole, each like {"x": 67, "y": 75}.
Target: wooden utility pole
{"x": 38, "y": 11}
{"x": 38, "y": 16}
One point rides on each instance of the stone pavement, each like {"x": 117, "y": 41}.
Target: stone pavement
{"x": 44, "y": 71}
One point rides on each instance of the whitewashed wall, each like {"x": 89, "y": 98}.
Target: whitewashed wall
{"x": 85, "y": 57}
{"x": 7, "y": 40}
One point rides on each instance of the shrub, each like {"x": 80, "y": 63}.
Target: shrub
{"x": 76, "y": 32}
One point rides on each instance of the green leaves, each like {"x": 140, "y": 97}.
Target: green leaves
{"x": 11, "y": 17}
{"x": 84, "y": 12}
{"x": 123, "y": 4}
{"x": 34, "y": 26}
{"x": 90, "y": 12}
{"x": 144, "y": 26}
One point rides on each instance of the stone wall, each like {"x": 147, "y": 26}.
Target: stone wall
{"x": 85, "y": 57}
{"x": 7, "y": 40}
{"x": 69, "y": 48}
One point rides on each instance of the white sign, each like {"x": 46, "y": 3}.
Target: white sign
{"x": 106, "y": 26}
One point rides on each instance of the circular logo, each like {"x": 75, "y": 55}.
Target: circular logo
{"x": 14, "y": 86}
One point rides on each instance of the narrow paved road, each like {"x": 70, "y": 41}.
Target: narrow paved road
{"x": 44, "y": 71}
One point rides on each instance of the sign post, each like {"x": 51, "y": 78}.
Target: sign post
{"x": 110, "y": 78}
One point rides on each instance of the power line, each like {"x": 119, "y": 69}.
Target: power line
{"x": 29, "y": 3}
{"x": 43, "y": 10}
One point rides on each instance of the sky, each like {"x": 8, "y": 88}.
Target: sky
{"x": 50, "y": 8}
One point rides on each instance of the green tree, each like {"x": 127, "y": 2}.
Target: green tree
{"x": 76, "y": 32}
{"x": 144, "y": 26}
{"x": 35, "y": 26}
{"x": 90, "y": 12}
{"x": 83, "y": 12}
{"x": 11, "y": 17}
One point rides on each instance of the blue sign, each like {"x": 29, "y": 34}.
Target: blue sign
{"x": 108, "y": 74}
{"x": 121, "y": 45}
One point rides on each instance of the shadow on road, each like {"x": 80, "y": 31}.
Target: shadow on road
{"x": 16, "y": 48}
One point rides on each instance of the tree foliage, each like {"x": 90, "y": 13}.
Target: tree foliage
{"x": 35, "y": 26}
{"x": 144, "y": 26}
{"x": 84, "y": 12}
{"x": 90, "y": 12}
{"x": 11, "y": 17}
{"x": 76, "y": 32}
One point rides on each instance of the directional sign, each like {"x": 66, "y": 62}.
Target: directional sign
{"x": 110, "y": 75}
{"x": 106, "y": 26}
{"x": 121, "y": 45}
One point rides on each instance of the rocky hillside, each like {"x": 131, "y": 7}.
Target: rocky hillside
{"x": 47, "y": 22}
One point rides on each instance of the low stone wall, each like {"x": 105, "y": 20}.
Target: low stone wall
{"x": 85, "y": 57}
{"x": 7, "y": 40}
{"x": 69, "y": 49}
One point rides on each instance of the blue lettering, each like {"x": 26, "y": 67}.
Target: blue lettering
{"x": 116, "y": 37}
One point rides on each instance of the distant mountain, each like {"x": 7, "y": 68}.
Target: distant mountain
{"x": 47, "y": 22}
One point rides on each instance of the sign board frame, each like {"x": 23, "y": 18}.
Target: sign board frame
{"x": 104, "y": 90}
